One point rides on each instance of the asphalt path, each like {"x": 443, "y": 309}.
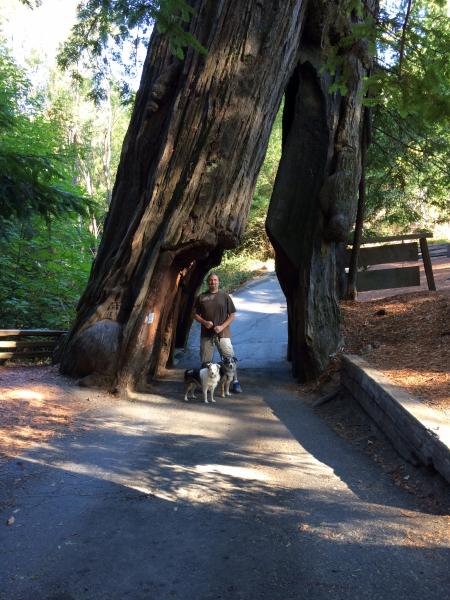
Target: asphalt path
{"x": 253, "y": 497}
{"x": 259, "y": 332}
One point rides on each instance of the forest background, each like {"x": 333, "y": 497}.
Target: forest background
{"x": 62, "y": 125}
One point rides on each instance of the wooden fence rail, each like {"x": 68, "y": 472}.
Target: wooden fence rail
{"x": 371, "y": 253}
{"x": 15, "y": 343}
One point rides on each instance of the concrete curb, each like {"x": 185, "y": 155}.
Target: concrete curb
{"x": 419, "y": 433}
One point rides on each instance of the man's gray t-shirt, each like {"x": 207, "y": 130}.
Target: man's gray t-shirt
{"x": 216, "y": 308}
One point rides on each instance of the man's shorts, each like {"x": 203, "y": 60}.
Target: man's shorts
{"x": 207, "y": 345}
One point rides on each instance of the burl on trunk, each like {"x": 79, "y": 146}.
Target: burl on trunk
{"x": 314, "y": 200}
{"x": 189, "y": 163}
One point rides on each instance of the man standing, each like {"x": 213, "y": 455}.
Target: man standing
{"x": 215, "y": 311}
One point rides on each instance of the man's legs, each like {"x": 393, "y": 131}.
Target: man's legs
{"x": 206, "y": 349}
{"x": 207, "y": 345}
{"x": 225, "y": 348}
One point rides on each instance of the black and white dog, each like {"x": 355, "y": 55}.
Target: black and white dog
{"x": 206, "y": 378}
{"x": 227, "y": 374}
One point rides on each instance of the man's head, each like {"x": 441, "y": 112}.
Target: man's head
{"x": 213, "y": 283}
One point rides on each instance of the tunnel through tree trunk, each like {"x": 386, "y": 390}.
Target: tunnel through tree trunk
{"x": 193, "y": 150}
{"x": 189, "y": 163}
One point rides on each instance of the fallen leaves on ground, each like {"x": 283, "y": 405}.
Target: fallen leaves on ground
{"x": 33, "y": 406}
{"x": 407, "y": 338}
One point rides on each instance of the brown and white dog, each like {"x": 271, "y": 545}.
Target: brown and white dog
{"x": 206, "y": 378}
{"x": 227, "y": 374}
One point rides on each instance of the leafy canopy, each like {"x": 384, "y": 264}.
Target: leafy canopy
{"x": 43, "y": 272}
{"x": 45, "y": 260}
{"x": 35, "y": 174}
{"x": 408, "y": 90}
{"x": 110, "y": 32}
{"x": 408, "y": 173}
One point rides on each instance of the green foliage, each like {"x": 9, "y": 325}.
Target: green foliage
{"x": 60, "y": 136}
{"x": 31, "y": 3}
{"x": 351, "y": 31}
{"x": 413, "y": 71}
{"x": 95, "y": 131}
{"x": 236, "y": 269}
{"x": 408, "y": 90}
{"x": 112, "y": 31}
{"x": 35, "y": 174}
{"x": 255, "y": 242}
{"x": 44, "y": 268}
{"x": 408, "y": 172}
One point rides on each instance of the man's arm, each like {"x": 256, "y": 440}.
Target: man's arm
{"x": 228, "y": 320}
{"x": 198, "y": 317}
{"x": 202, "y": 321}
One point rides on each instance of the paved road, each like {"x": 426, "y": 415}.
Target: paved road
{"x": 259, "y": 333}
{"x": 252, "y": 498}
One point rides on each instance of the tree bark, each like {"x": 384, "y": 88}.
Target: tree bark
{"x": 194, "y": 147}
{"x": 193, "y": 150}
{"x": 314, "y": 199}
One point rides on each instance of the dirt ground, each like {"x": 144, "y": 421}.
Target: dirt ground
{"x": 37, "y": 403}
{"x": 406, "y": 336}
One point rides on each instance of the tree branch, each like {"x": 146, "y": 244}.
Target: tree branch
{"x": 424, "y": 152}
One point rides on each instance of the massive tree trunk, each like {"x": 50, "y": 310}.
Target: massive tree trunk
{"x": 190, "y": 159}
{"x": 188, "y": 168}
{"x": 315, "y": 194}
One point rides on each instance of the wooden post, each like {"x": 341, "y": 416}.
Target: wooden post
{"x": 427, "y": 263}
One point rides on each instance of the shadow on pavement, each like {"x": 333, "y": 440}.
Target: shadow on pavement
{"x": 119, "y": 513}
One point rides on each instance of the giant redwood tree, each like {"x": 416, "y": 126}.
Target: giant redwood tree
{"x": 189, "y": 164}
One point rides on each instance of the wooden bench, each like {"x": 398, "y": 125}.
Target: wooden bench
{"x": 28, "y": 343}
{"x": 372, "y": 253}
{"x": 438, "y": 251}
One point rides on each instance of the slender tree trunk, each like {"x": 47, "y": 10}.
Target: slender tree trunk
{"x": 189, "y": 163}
{"x": 357, "y": 237}
{"x": 107, "y": 144}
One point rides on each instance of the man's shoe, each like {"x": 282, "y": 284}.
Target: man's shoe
{"x": 236, "y": 387}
